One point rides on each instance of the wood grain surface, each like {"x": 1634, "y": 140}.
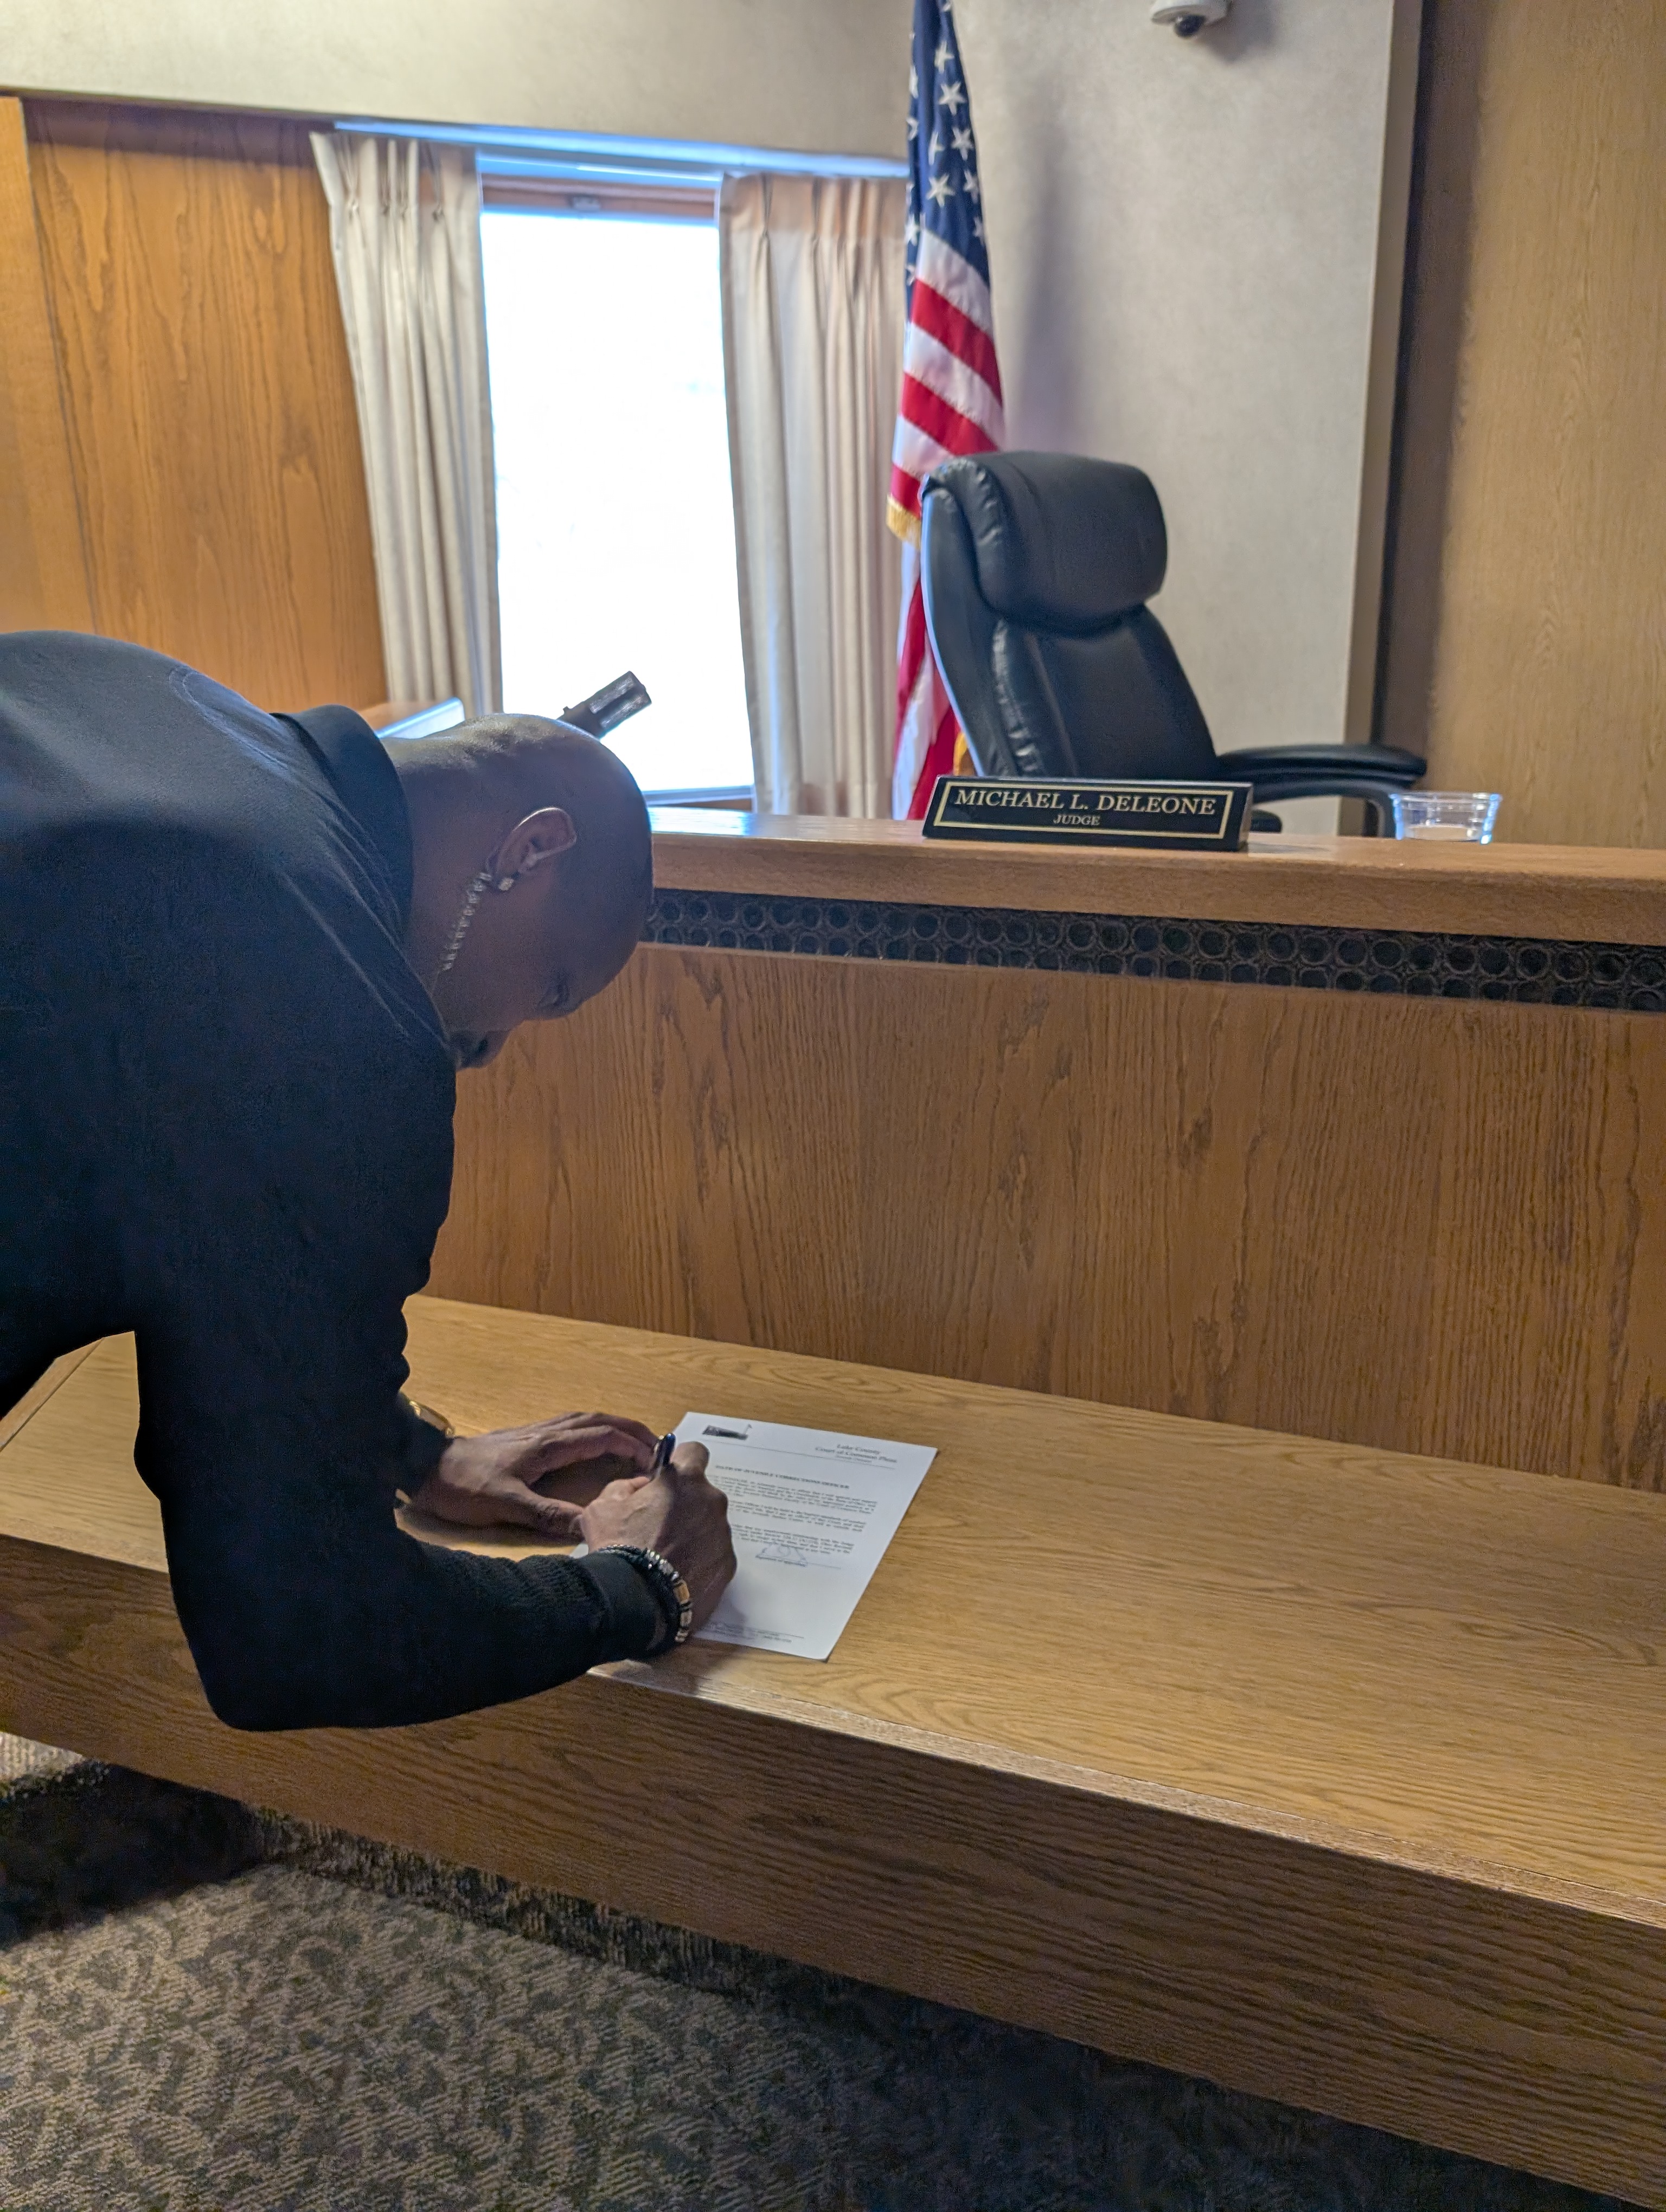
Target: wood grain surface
{"x": 43, "y": 563}
{"x": 1588, "y": 894}
{"x": 1425, "y": 1224}
{"x": 1336, "y": 1776}
{"x": 35, "y": 1397}
{"x": 209, "y": 402}
{"x": 1526, "y": 611}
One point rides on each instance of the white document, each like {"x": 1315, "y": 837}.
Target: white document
{"x": 810, "y": 1513}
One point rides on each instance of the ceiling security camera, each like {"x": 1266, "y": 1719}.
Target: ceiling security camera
{"x": 1188, "y": 17}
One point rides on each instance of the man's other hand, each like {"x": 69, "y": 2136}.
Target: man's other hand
{"x": 677, "y": 1513}
{"x": 540, "y": 1477}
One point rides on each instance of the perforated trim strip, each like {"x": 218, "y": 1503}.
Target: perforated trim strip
{"x": 1625, "y": 978}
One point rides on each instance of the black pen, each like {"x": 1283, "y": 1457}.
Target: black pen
{"x": 662, "y": 1452}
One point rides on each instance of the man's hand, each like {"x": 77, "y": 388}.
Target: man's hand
{"x": 677, "y": 1513}
{"x": 540, "y": 1477}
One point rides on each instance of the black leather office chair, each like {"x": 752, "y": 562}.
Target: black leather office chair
{"x": 1036, "y": 568}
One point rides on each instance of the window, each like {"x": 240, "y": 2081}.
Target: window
{"x": 615, "y": 526}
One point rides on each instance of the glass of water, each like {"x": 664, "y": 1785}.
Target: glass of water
{"x": 1456, "y": 818}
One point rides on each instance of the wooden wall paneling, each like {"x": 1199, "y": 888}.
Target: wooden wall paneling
{"x": 1427, "y": 1224}
{"x": 1546, "y": 1281}
{"x": 1525, "y": 641}
{"x": 43, "y": 562}
{"x": 209, "y": 397}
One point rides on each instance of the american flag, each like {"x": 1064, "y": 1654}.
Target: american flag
{"x": 950, "y": 400}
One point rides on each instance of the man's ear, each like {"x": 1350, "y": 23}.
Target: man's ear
{"x": 534, "y": 841}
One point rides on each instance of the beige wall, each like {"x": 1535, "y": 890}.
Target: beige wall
{"x": 824, "y": 76}
{"x": 1183, "y": 240}
{"x": 1527, "y": 630}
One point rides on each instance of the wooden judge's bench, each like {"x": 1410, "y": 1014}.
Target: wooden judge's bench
{"x": 1256, "y": 1238}
{"x": 1355, "y": 1138}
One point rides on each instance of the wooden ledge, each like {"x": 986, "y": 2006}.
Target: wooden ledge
{"x": 1333, "y": 1774}
{"x": 1561, "y": 893}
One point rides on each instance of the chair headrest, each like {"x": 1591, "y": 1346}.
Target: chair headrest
{"x": 1061, "y": 542}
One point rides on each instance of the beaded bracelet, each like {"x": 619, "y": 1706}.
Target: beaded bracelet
{"x": 670, "y": 1592}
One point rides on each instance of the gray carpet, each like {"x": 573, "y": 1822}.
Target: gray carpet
{"x": 203, "y": 2009}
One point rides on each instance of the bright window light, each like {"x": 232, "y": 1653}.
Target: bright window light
{"x": 614, "y": 519}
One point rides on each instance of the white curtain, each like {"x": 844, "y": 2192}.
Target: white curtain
{"x": 404, "y": 225}
{"x": 812, "y": 332}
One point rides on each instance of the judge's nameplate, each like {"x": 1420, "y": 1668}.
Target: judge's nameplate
{"x": 1007, "y": 809}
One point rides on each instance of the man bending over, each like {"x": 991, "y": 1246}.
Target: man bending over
{"x": 241, "y": 954}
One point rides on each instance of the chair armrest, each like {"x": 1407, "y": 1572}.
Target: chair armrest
{"x": 1365, "y": 763}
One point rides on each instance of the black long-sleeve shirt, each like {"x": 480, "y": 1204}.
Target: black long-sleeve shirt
{"x": 225, "y": 1124}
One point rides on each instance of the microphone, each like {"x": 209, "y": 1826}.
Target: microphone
{"x": 604, "y": 710}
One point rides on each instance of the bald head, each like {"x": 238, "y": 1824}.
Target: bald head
{"x": 532, "y": 872}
